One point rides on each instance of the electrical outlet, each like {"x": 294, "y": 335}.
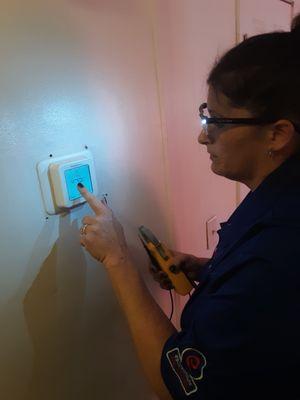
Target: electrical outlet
{"x": 212, "y": 237}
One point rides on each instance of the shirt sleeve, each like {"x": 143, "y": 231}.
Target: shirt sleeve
{"x": 226, "y": 348}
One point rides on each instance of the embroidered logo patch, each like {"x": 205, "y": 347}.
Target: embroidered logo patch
{"x": 188, "y": 367}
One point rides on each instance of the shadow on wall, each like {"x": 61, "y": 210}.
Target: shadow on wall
{"x": 52, "y": 310}
{"x": 80, "y": 341}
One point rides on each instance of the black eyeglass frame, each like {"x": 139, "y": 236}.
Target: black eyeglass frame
{"x": 238, "y": 121}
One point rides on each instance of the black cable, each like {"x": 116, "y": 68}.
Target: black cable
{"x": 172, "y": 300}
{"x": 172, "y": 305}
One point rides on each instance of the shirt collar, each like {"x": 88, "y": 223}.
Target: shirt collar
{"x": 283, "y": 179}
{"x": 258, "y": 207}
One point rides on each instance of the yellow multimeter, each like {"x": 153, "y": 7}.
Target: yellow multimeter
{"x": 162, "y": 259}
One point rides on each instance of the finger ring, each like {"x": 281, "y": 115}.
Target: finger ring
{"x": 83, "y": 229}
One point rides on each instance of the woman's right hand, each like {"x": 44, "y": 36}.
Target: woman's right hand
{"x": 187, "y": 263}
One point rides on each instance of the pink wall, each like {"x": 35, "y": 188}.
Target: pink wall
{"x": 188, "y": 41}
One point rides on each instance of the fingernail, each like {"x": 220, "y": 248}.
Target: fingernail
{"x": 80, "y": 185}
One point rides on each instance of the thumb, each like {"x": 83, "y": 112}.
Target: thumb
{"x": 179, "y": 263}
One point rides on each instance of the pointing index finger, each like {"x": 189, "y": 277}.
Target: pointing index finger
{"x": 95, "y": 204}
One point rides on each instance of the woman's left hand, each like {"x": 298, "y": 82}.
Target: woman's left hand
{"x": 102, "y": 234}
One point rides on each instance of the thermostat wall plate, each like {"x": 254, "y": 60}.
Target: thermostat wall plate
{"x": 59, "y": 178}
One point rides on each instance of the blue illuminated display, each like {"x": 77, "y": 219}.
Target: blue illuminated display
{"x": 75, "y": 175}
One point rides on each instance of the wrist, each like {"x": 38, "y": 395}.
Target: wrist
{"x": 117, "y": 260}
{"x": 123, "y": 272}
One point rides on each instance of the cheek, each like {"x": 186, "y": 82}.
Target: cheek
{"x": 236, "y": 143}
{"x": 237, "y": 155}
{"x": 228, "y": 164}
{"x": 230, "y": 154}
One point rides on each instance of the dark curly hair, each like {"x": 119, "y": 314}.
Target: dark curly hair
{"x": 262, "y": 74}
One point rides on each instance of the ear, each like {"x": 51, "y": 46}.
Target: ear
{"x": 281, "y": 134}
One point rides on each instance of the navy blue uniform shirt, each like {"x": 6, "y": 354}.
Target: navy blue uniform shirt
{"x": 240, "y": 331}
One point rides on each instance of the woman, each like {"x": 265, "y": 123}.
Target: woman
{"x": 240, "y": 330}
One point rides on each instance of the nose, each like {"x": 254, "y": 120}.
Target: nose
{"x": 203, "y": 138}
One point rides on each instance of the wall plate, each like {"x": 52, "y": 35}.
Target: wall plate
{"x": 53, "y": 182}
{"x": 212, "y": 237}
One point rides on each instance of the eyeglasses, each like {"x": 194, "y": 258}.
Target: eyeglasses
{"x": 219, "y": 122}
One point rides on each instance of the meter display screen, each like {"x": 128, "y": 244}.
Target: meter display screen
{"x": 77, "y": 175}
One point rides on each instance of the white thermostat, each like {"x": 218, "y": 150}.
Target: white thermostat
{"x": 60, "y": 176}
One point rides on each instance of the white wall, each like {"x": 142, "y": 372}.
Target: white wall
{"x": 73, "y": 74}
{"x": 124, "y": 78}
